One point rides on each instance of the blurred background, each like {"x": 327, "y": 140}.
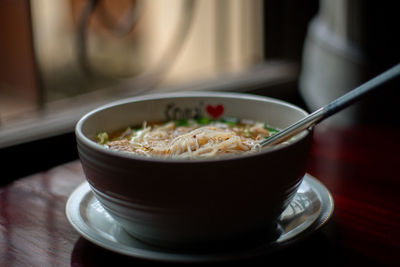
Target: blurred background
{"x": 60, "y": 59}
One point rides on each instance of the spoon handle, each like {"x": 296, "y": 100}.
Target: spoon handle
{"x": 334, "y": 106}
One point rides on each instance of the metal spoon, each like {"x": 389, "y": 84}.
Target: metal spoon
{"x": 333, "y": 107}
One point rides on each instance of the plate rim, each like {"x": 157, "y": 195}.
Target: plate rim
{"x": 72, "y": 210}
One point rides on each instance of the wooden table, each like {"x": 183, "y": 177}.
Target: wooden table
{"x": 363, "y": 175}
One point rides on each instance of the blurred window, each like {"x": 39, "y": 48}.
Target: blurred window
{"x": 62, "y": 58}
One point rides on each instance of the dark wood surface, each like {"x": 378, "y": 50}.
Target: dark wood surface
{"x": 360, "y": 166}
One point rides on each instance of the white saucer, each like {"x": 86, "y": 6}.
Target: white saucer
{"x": 310, "y": 209}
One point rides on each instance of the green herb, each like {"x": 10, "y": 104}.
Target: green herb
{"x": 247, "y": 132}
{"x": 203, "y": 121}
{"x": 181, "y": 122}
{"x": 136, "y": 128}
{"x": 271, "y": 130}
{"x": 102, "y": 138}
{"x": 231, "y": 121}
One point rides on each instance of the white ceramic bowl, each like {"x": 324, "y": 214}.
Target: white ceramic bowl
{"x": 193, "y": 203}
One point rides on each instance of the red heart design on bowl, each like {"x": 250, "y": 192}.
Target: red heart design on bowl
{"x": 215, "y": 111}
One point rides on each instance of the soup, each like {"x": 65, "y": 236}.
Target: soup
{"x": 201, "y": 138}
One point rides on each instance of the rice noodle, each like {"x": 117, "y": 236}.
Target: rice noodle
{"x": 199, "y": 141}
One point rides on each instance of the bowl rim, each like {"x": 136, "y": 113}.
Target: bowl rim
{"x": 200, "y": 94}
